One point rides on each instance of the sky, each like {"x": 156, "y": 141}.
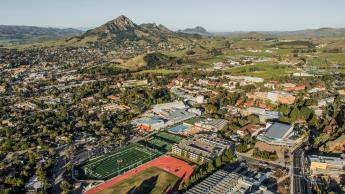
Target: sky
{"x": 214, "y": 15}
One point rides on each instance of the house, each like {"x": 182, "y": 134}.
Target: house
{"x": 341, "y": 92}
{"x": 325, "y": 101}
{"x": 33, "y": 184}
{"x": 288, "y": 85}
{"x": 134, "y": 83}
{"x": 316, "y": 110}
{"x": 251, "y": 129}
{"x": 113, "y": 97}
{"x": 337, "y": 145}
{"x": 262, "y": 113}
{"x": 317, "y": 89}
{"x": 26, "y": 105}
{"x": 296, "y": 88}
{"x": 115, "y": 107}
{"x": 281, "y": 97}
{"x": 231, "y": 110}
{"x": 330, "y": 128}
{"x": 271, "y": 85}
{"x": 2, "y": 89}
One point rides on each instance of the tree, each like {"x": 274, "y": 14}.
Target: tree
{"x": 210, "y": 167}
{"x": 228, "y": 156}
{"x": 218, "y": 162}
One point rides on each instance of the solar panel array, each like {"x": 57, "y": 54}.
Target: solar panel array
{"x": 219, "y": 182}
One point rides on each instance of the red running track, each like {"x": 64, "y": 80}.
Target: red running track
{"x": 167, "y": 163}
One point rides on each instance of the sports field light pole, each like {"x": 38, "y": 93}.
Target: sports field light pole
{"x": 118, "y": 164}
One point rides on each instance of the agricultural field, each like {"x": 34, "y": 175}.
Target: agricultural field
{"x": 115, "y": 163}
{"x": 151, "y": 180}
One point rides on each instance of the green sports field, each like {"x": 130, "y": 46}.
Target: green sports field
{"x": 162, "y": 141}
{"x": 170, "y": 137}
{"x": 114, "y": 163}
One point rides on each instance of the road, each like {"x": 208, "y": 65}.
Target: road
{"x": 299, "y": 184}
{"x": 59, "y": 169}
{"x": 260, "y": 162}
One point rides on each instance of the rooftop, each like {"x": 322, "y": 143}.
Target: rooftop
{"x": 278, "y": 130}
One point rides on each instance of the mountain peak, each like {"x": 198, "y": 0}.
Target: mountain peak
{"x": 122, "y": 23}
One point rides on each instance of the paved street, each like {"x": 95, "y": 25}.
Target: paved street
{"x": 299, "y": 183}
{"x": 58, "y": 169}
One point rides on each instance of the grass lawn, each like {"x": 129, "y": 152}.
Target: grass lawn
{"x": 160, "y": 71}
{"x": 152, "y": 180}
{"x": 170, "y": 137}
{"x": 263, "y": 70}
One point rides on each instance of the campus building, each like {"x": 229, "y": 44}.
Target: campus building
{"x": 278, "y": 134}
{"x": 324, "y": 165}
{"x": 212, "y": 124}
{"x": 262, "y": 113}
{"x": 225, "y": 182}
{"x": 219, "y": 182}
{"x": 278, "y": 97}
{"x": 164, "y": 115}
{"x": 201, "y": 147}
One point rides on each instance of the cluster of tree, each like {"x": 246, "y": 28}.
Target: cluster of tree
{"x": 26, "y": 168}
{"x": 213, "y": 108}
{"x": 334, "y": 50}
{"x": 295, "y": 44}
{"x": 159, "y": 60}
{"x": 190, "y": 52}
{"x": 265, "y": 154}
{"x": 329, "y": 185}
{"x": 334, "y": 112}
{"x": 299, "y": 111}
{"x": 246, "y": 144}
{"x": 311, "y": 50}
{"x": 207, "y": 168}
{"x": 215, "y": 52}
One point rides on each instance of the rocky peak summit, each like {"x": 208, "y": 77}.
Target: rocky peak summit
{"x": 121, "y": 23}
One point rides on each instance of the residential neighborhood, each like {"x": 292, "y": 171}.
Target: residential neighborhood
{"x": 134, "y": 107}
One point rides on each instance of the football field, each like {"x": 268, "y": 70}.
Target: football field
{"x": 118, "y": 162}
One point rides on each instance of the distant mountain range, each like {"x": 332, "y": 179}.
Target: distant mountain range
{"x": 30, "y": 34}
{"x": 122, "y": 31}
{"x": 314, "y": 33}
{"x": 197, "y": 30}
{"x": 297, "y": 34}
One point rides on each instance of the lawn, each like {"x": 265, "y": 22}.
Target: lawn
{"x": 114, "y": 163}
{"x": 160, "y": 71}
{"x": 151, "y": 180}
{"x": 162, "y": 141}
{"x": 168, "y": 136}
{"x": 263, "y": 70}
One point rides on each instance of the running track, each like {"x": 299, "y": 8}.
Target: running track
{"x": 167, "y": 163}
